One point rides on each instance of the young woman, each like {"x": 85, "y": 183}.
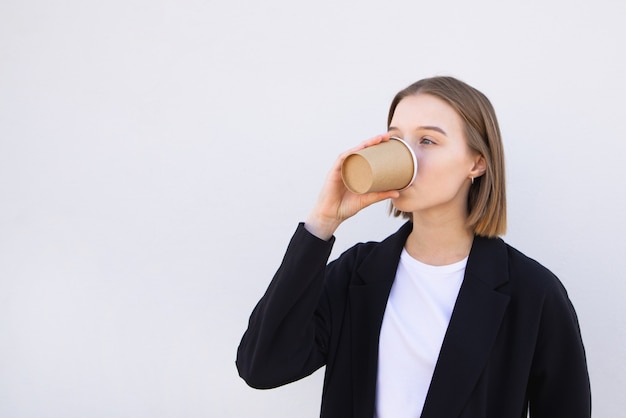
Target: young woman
{"x": 441, "y": 319}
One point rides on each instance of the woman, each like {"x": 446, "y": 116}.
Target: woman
{"x": 442, "y": 318}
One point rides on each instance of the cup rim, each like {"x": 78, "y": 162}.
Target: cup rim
{"x": 413, "y": 157}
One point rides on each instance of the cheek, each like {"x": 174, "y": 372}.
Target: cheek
{"x": 442, "y": 171}
{"x": 433, "y": 167}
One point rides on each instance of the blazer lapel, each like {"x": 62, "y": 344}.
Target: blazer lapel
{"x": 368, "y": 299}
{"x": 473, "y": 327}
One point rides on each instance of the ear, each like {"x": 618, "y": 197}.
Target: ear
{"x": 479, "y": 168}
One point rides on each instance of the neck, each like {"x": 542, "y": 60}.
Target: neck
{"x": 439, "y": 242}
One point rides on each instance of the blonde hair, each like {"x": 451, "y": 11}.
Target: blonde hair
{"x": 486, "y": 200}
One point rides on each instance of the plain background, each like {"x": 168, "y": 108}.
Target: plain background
{"x": 156, "y": 156}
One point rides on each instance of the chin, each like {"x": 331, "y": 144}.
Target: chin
{"x": 405, "y": 203}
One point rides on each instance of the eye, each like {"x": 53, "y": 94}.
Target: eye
{"x": 427, "y": 141}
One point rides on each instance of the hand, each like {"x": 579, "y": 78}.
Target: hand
{"x": 336, "y": 203}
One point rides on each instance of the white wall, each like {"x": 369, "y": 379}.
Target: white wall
{"x": 155, "y": 157}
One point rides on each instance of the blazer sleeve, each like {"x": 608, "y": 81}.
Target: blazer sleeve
{"x": 559, "y": 384}
{"x": 288, "y": 329}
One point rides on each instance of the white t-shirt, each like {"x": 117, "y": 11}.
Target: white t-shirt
{"x": 415, "y": 322}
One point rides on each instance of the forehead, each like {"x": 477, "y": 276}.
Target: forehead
{"x": 425, "y": 110}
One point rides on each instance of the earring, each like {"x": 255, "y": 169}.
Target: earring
{"x": 472, "y": 180}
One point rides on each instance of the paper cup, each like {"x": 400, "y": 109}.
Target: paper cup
{"x": 390, "y": 165}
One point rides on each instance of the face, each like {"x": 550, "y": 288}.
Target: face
{"x": 445, "y": 162}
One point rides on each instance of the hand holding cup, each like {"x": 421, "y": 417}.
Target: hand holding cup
{"x": 337, "y": 203}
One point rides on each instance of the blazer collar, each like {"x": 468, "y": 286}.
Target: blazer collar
{"x": 487, "y": 260}
{"x": 368, "y": 295}
{"x": 471, "y": 333}
{"x": 382, "y": 263}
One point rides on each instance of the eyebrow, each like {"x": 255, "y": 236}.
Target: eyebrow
{"x": 423, "y": 128}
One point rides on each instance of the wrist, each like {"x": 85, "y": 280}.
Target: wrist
{"x": 322, "y": 228}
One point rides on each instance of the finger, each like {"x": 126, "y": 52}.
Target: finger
{"x": 376, "y": 140}
{"x": 367, "y": 143}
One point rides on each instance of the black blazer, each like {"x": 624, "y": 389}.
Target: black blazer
{"x": 513, "y": 340}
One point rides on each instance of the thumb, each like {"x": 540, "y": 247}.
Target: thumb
{"x": 371, "y": 198}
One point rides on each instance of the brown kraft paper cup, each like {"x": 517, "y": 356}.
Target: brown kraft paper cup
{"x": 390, "y": 165}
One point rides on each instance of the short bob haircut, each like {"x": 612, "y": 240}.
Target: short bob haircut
{"x": 486, "y": 200}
